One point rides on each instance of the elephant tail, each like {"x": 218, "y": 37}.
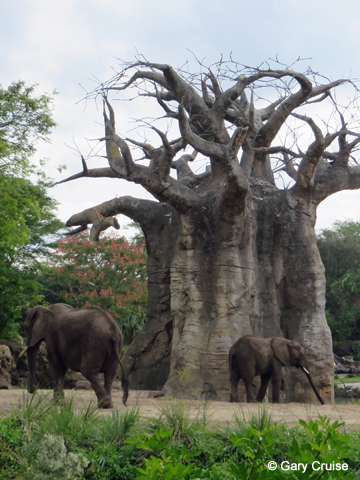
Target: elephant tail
{"x": 124, "y": 379}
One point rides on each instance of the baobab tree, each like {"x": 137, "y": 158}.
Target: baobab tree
{"x": 232, "y": 250}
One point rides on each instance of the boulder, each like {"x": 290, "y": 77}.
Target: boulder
{"x": 20, "y": 372}
{"x": 7, "y": 366}
{"x": 345, "y": 348}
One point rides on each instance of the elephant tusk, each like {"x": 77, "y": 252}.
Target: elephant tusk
{"x": 305, "y": 370}
{"x": 23, "y": 352}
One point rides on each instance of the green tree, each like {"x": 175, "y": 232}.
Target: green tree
{"x": 24, "y": 120}
{"x": 27, "y": 213}
{"x": 110, "y": 273}
{"x": 339, "y": 248}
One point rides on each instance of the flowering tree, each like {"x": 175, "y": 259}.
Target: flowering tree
{"x": 110, "y": 273}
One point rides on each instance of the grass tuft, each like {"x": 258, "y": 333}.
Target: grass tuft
{"x": 258, "y": 421}
{"x": 117, "y": 427}
{"x": 184, "y": 419}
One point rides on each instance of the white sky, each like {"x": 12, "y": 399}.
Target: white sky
{"x": 64, "y": 45}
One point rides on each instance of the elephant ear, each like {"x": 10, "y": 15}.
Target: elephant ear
{"x": 39, "y": 320}
{"x": 281, "y": 350}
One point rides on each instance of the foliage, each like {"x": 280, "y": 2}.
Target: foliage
{"x": 110, "y": 273}
{"x": 258, "y": 447}
{"x": 24, "y": 120}
{"x": 117, "y": 426}
{"x": 77, "y": 428}
{"x": 169, "y": 463}
{"x": 324, "y": 444}
{"x": 38, "y": 433}
{"x": 27, "y": 224}
{"x": 27, "y": 217}
{"x": 340, "y": 252}
{"x": 108, "y": 462}
{"x": 184, "y": 421}
{"x": 258, "y": 421}
{"x": 356, "y": 351}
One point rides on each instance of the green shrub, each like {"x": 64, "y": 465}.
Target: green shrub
{"x": 324, "y": 443}
{"x": 170, "y": 462}
{"x": 109, "y": 462}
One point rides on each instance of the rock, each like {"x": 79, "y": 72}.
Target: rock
{"x": 349, "y": 390}
{"x": 82, "y": 385}
{"x": 343, "y": 365}
{"x": 72, "y": 378}
{"x": 20, "y": 374}
{"x": 345, "y": 348}
{"x": 7, "y": 366}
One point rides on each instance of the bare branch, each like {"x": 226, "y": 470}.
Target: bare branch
{"x": 154, "y": 76}
{"x": 92, "y": 173}
{"x": 312, "y": 157}
{"x": 199, "y": 144}
{"x": 207, "y": 99}
{"x": 266, "y": 112}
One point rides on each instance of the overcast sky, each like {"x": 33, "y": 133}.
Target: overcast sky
{"x": 66, "y": 45}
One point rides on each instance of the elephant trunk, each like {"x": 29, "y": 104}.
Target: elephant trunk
{"x": 31, "y": 356}
{"x": 307, "y": 373}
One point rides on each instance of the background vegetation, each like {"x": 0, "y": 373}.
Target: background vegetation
{"x": 340, "y": 252}
{"x": 36, "y": 267}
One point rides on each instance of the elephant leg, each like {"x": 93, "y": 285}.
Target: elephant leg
{"x": 109, "y": 376}
{"x": 263, "y": 387}
{"x": 250, "y": 396}
{"x": 276, "y": 383}
{"x": 234, "y": 380}
{"x": 91, "y": 373}
{"x": 57, "y": 371}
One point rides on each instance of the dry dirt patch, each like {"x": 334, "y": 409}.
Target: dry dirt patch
{"x": 219, "y": 413}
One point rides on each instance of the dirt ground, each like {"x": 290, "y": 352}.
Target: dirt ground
{"x": 219, "y": 413}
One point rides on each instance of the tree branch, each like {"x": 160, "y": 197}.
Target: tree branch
{"x": 308, "y": 165}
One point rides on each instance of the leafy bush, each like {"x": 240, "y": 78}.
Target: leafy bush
{"x": 324, "y": 444}
{"x": 169, "y": 463}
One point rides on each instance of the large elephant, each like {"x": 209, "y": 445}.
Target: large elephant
{"x": 251, "y": 356}
{"x": 86, "y": 340}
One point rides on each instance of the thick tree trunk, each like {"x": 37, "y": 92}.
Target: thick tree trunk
{"x": 291, "y": 288}
{"x": 147, "y": 360}
{"x": 258, "y": 274}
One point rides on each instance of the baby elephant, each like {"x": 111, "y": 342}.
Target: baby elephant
{"x": 251, "y": 356}
{"x": 87, "y": 340}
